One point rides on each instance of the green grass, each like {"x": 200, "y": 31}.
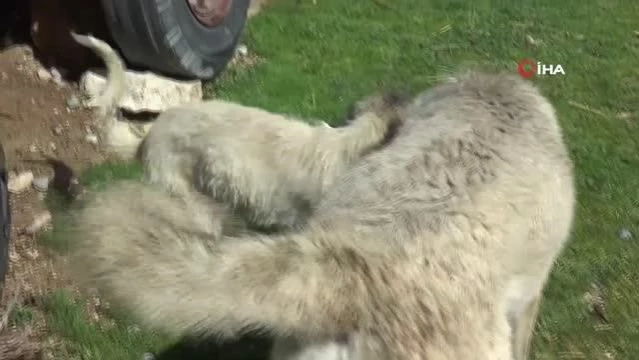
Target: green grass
{"x": 319, "y": 59}
{"x": 96, "y": 340}
{"x": 21, "y": 316}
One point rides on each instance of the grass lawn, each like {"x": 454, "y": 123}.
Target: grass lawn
{"x": 318, "y": 59}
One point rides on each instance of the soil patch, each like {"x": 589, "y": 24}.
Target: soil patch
{"x": 41, "y": 125}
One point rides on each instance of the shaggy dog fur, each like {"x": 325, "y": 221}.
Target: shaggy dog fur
{"x": 270, "y": 167}
{"x": 436, "y": 246}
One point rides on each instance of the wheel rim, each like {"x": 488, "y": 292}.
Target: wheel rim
{"x": 209, "y": 13}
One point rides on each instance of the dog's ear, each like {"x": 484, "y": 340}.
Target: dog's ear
{"x": 390, "y": 99}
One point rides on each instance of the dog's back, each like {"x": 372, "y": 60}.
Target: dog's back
{"x": 268, "y": 166}
{"x": 478, "y": 181}
{"x": 436, "y": 246}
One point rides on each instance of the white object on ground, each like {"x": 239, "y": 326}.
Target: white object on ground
{"x": 39, "y": 222}
{"x": 19, "y": 183}
{"x": 146, "y": 91}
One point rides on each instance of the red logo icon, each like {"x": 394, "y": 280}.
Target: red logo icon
{"x": 527, "y": 68}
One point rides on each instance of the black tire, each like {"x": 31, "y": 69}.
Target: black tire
{"x": 5, "y": 220}
{"x": 165, "y": 36}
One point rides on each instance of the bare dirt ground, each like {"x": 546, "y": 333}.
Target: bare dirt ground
{"x": 44, "y": 130}
{"x": 40, "y": 120}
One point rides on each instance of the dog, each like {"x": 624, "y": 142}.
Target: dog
{"x": 270, "y": 167}
{"x": 436, "y": 246}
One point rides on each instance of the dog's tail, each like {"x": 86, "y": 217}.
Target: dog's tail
{"x": 120, "y": 137}
{"x": 116, "y": 82}
{"x": 155, "y": 255}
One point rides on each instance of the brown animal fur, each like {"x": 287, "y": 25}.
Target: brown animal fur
{"x": 434, "y": 247}
{"x": 268, "y": 166}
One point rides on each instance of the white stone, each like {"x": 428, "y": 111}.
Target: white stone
{"x": 19, "y": 183}
{"x": 44, "y": 74}
{"x": 146, "y": 91}
{"x": 625, "y": 234}
{"x": 73, "y": 102}
{"x": 41, "y": 183}
{"x": 56, "y": 76}
{"x": 40, "y": 221}
{"x": 242, "y": 50}
{"x": 91, "y": 139}
{"x": 58, "y": 129}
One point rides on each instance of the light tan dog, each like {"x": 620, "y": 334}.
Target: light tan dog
{"x": 270, "y": 167}
{"x": 435, "y": 247}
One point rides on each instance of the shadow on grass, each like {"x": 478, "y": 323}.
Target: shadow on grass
{"x": 247, "y": 348}
{"x": 121, "y": 339}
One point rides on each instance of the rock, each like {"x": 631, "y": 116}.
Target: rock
{"x": 56, "y": 76}
{"x": 241, "y": 50}
{"x": 58, "y": 129}
{"x": 33, "y": 254}
{"x": 19, "y": 183}
{"x": 531, "y": 40}
{"x": 44, "y": 74}
{"x": 41, "y": 183}
{"x": 91, "y": 139}
{"x": 148, "y": 356}
{"x": 625, "y": 234}
{"x": 39, "y": 222}
{"x": 73, "y": 102}
{"x": 147, "y": 92}
{"x": 75, "y": 189}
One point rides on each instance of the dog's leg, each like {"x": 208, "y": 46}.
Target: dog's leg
{"x": 523, "y": 327}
